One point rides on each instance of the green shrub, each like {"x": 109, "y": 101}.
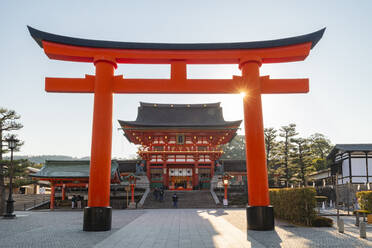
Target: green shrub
{"x": 320, "y": 221}
{"x": 365, "y": 200}
{"x": 296, "y": 205}
{"x": 238, "y": 199}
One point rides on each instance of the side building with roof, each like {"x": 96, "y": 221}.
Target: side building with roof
{"x": 69, "y": 177}
{"x": 352, "y": 163}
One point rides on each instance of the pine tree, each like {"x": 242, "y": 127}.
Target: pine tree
{"x": 8, "y": 122}
{"x": 301, "y": 158}
{"x": 287, "y": 132}
{"x": 272, "y": 160}
{"x": 320, "y": 147}
{"x": 235, "y": 149}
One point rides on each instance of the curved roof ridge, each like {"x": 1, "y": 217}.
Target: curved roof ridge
{"x": 179, "y": 125}
{"x": 178, "y": 105}
{"x": 40, "y": 36}
{"x": 353, "y": 144}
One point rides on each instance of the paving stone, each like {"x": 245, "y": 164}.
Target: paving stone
{"x": 184, "y": 228}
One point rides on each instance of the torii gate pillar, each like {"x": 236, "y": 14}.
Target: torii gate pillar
{"x": 97, "y": 216}
{"x": 260, "y": 215}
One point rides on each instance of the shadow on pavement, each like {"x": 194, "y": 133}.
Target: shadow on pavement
{"x": 266, "y": 238}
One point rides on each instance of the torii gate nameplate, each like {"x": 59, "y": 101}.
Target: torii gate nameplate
{"x": 107, "y": 54}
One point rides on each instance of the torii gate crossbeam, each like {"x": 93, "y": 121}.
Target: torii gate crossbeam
{"x": 107, "y": 54}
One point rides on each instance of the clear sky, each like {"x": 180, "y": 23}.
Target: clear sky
{"x": 339, "y": 67}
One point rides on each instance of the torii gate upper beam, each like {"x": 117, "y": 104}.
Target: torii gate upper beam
{"x": 84, "y": 50}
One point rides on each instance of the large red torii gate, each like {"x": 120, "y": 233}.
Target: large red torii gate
{"x": 107, "y": 54}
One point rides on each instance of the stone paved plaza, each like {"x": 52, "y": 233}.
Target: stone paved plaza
{"x": 169, "y": 228}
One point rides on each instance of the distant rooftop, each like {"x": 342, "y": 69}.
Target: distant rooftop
{"x": 350, "y": 148}
{"x": 69, "y": 169}
{"x": 128, "y": 166}
{"x": 180, "y": 115}
{"x": 354, "y": 147}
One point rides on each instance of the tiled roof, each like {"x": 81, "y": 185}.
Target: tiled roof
{"x": 40, "y": 36}
{"x": 180, "y": 115}
{"x": 127, "y": 165}
{"x": 69, "y": 169}
{"x": 350, "y": 148}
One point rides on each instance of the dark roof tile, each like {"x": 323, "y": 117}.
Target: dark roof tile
{"x": 350, "y": 148}
{"x": 68, "y": 169}
{"x": 40, "y": 36}
{"x": 128, "y": 166}
{"x": 180, "y": 115}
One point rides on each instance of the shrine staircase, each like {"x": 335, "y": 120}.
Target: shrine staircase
{"x": 186, "y": 199}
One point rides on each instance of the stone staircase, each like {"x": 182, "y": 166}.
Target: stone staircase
{"x": 186, "y": 199}
{"x": 142, "y": 182}
{"x": 23, "y": 202}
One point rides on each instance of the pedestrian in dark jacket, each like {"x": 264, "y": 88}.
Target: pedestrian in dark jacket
{"x": 156, "y": 193}
{"x": 73, "y": 201}
{"x": 175, "y": 200}
{"x": 78, "y": 200}
{"x": 161, "y": 194}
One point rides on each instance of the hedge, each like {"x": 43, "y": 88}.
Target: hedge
{"x": 296, "y": 205}
{"x": 320, "y": 221}
{"x": 365, "y": 200}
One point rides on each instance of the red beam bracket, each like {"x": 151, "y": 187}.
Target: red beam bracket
{"x": 281, "y": 86}
{"x": 70, "y": 85}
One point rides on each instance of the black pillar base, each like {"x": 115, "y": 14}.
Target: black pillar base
{"x": 97, "y": 219}
{"x": 260, "y": 218}
{"x": 9, "y": 209}
{"x": 9, "y": 216}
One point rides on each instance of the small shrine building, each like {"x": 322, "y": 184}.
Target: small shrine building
{"x": 69, "y": 174}
{"x": 180, "y": 144}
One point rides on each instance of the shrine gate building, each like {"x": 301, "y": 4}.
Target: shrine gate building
{"x": 180, "y": 143}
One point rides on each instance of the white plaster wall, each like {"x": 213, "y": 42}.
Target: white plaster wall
{"x": 370, "y": 167}
{"x": 359, "y": 179}
{"x": 345, "y": 168}
{"x": 358, "y": 167}
{"x": 346, "y": 180}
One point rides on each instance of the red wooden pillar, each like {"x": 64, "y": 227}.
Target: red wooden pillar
{"x": 63, "y": 192}
{"x": 132, "y": 191}
{"x": 225, "y": 191}
{"x": 193, "y": 175}
{"x": 148, "y": 170}
{"x": 165, "y": 174}
{"x": 52, "y": 196}
{"x": 196, "y": 174}
{"x": 97, "y": 216}
{"x": 212, "y": 167}
{"x": 260, "y": 215}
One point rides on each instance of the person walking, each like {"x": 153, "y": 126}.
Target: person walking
{"x": 156, "y": 193}
{"x": 73, "y": 201}
{"x": 175, "y": 200}
{"x": 78, "y": 201}
{"x": 161, "y": 195}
